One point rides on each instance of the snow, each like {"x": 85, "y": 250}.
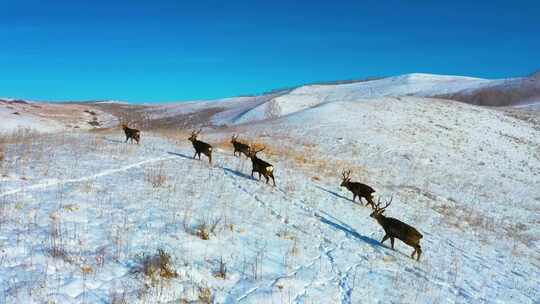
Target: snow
{"x": 112, "y": 102}
{"x": 18, "y": 114}
{"x": 466, "y": 177}
{"x": 11, "y": 121}
{"x": 405, "y": 85}
{"x": 241, "y": 110}
{"x": 79, "y": 209}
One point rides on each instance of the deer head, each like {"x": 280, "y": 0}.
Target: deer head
{"x": 194, "y": 135}
{"x": 234, "y": 138}
{"x": 346, "y": 177}
{"x": 378, "y": 210}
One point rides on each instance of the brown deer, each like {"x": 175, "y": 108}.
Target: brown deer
{"x": 132, "y": 134}
{"x": 357, "y": 189}
{"x": 200, "y": 146}
{"x": 394, "y": 228}
{"x": 239, "y": 147}
{"x": 260, "y": 166}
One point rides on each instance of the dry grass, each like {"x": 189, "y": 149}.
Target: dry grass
{"x": 206, "y": 295}
{"x": 156, "y": 267}
{"x": 304, "y": 156}
{"x": 56, "y": 244}
{"x": 466, "y": 218}
{"x": 156, "y": 175}
{"x": 205, "y": 228}
{"x": 221, "y": 272}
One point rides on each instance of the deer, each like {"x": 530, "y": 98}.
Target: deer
{"x": 132, "y": 134}
{"x": 260, "y": 166}
{"x": 239, "y": 147}
{"x": 357, "y": 189}
{"x": 200, "y": 146}
{"x": 394, "y": 228}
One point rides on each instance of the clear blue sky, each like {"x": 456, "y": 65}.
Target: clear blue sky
{"x": 140, "y": 51}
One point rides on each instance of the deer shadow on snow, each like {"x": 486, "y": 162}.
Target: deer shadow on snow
{"x": 180, "y": 155}
{"x": 336, "y": 194}
{"x": 116, "y": 141}
{"x": 238, "y": 173}
{"x": 331, "y": 221}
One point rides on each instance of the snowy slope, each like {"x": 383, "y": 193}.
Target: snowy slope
{"x": 80, "y": 211}
{"x": 46, "y": 117}
{"x": 411, "y": 84}
{"x": 249, "y": 109}
{"x": 76, "y": 223}
{"x": 12, "y": 120}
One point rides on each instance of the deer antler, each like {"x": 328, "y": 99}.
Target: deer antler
{"x": 346, "y": 174}
{"x": 377, "y": 206}
{"x": 259, "y": 150}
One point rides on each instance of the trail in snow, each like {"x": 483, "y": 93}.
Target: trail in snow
{"x": 85, "y": 178}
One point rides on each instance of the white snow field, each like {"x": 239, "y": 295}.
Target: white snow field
{"x": 83, "y": 215}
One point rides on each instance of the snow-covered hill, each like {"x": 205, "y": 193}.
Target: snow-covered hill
{"x": 83, "y": 216}
{"x": 516, "y": 91}
{"x": 524, "y": 92}
{"x": 46, "y": 117}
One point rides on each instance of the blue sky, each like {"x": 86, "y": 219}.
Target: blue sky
{"x": 143, "y": 51}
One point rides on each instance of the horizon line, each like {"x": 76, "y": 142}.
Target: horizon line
{"x": 265, "y": 92}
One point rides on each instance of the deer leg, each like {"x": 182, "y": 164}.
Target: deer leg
{"x": 369, "y": 201}
{"x": 266, "y": 177}
{"x": 210, "y": 158}
{"x": 273, "y": 180}
{"x": 353, "y": 197}
{"x": 384, "y": 238}
{"x": 392, "y": 242}
{"x": 418, "y": 250}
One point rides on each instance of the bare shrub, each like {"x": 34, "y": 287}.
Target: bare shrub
{"x": 118, "y": 297}
{"x": 157, "y": 266}
{"x": 156, "y": 176}
{"x": 205, "y": 228}
{"x": 221, "y": 272}
{"x": 205, "y": 294}
{"x": 56, "y": 245}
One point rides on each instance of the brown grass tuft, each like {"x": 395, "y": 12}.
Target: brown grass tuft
{"x": 157, "y": 266}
